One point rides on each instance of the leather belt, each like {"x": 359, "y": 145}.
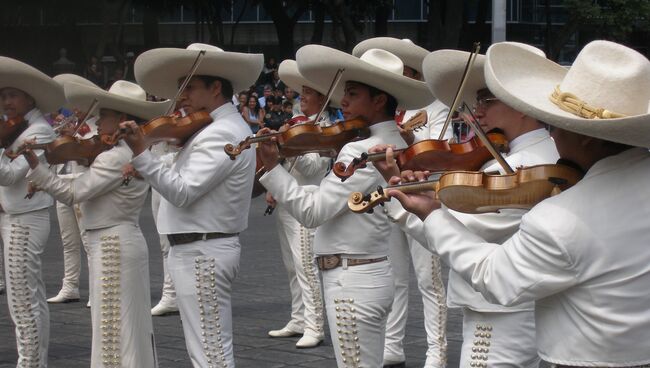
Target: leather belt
{"x": 331, "y": 261}
{"x": 184, "y": 238}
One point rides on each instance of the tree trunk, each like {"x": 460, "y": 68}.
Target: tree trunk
{"x": 381, "y": 19}
{"x": 150, "y": 28}
{"x": 319, "y": 22}
{"x": 234, "y": 26}
{"x": 284, "y": 25}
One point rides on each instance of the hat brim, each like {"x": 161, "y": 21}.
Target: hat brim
{"x": 411, "y": 54}
{"x": 67, "y": 78}
{"x": 319, "y": 64}
{"x": 82, "y": 96}
{"x": 47, "y": 93}
{"x": 524, "y": 81}
{"x": 443, "y": 70}
{"x": 159, "y": 70}
{"x": 290, "y": 76}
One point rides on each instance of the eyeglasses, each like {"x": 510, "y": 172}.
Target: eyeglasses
{"x": 482, "y": 103}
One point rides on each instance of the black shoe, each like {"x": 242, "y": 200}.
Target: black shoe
{"x": 396, "y": 365}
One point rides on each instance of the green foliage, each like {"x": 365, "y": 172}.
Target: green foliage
{"x": 614, "y": 19}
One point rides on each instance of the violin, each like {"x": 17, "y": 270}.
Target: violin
{"x": 307, "y": 137}
{"x": 480, "y": 192}
{"x": 172, "y": 129}
{"x": 431, "y": 155}
{"x": 69, "y": 148}
{"x": 11, "y": 129}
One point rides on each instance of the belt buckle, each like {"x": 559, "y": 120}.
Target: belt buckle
{"x": 330, "y": 262}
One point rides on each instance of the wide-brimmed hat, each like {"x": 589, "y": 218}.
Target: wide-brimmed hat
{"x": 605, "y": 94}
{"x": 67, "y": 78}
{"x": 410, "y": 53}
{"x": 443, "y": 70}
{"x": 377, "y": 68}
{"x": 123, "y": 96}
{"x": 47, "y": 93}
{"x": 158, "y": 70}
{"x": 290, "y": 76}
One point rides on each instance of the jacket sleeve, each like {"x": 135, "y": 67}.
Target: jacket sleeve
{"x": 311, "y": 164}
{"x": 313, "y": 208}
{"x": 12, "y": 172}
{"x": 184, "y": 185}
{"x": 103, "y": 176}
{"x": 534, "y": 263}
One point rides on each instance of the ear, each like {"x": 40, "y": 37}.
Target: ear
{"x": 215, "y": 88}
{"x": 379, "y": 102}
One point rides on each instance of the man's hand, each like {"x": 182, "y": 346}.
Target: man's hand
{"x": 133, "y": 136}
{"x": 387, "y": 168}
{"x": 420, "y": 204}
{"x": 128, "y": 172}
{"x": 407, "y": 135}
{"x": 269, "y": 150}
{"x": 270, "y": 200}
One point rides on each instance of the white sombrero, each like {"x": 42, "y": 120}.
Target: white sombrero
{"x": 376, "y": 68}
{"x": 46, "y": 92}
{"x": 443, "y": 70}
{"x": 605, "y": 94}
{"x": 290, "y": 76}
{"x": 123, "y": 96}
{"x": 62, "y": 79}
{"x": 410, "y": 53}
{"x": 159, "y": 70}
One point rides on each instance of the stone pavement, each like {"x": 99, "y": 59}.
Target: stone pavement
{"x": 260, "y": 303}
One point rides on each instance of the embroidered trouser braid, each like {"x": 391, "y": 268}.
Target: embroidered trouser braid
{"x": 499, "y": 340}
{"x": 203, "y": 272}
{"x": 404, "y": 248}
{"x": 24, "y": 237}
{"x": 296, "y": 245}
{"x": 358, "y": 300}
{"x": 120, "y": 298}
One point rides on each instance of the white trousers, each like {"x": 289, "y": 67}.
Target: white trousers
{"x": 72, "y": 243}
{"x": 2, "y": 269}
{"x": 358, "y": 300}
{"x": 168, "y": 296}
{"x": 120, "y": 298}
{"x": 203, "y": 272}
{"x": 499, "y": 340}
{"x": 296, "y": 246}
{"x": 403, "y": 249}
{"x": 24, "y": 237}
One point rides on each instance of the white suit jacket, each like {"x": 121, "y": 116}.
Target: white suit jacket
{"x": 339, "y": 229}
{"x": 532, "y": 148}
{"x": 13, "y": 184}
{"x": 104, "y": 201}
{"x": 204, "y": 190}
{"x": 436, "y": 116}
{"x": 581, "y": 255}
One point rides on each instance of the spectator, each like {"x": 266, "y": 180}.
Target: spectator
{"x": 270, "y": 67}
{"x": 276, "y": 82}
{"x": 268, "y": 91}
{"x": 275, "y": 116}
{"x": 253, "y": 114}
{"x": 93, "y": 71}
{"x": 241, "y": 101}
{"x": 291, "y": 96}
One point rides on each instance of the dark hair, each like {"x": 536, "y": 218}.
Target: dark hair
{"x": 391, "y": 102}
{"x": 257, "y": 103}
{"x": 226, "y": 86}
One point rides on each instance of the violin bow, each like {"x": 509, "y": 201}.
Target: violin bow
{"x": 189, "y": 76}
{"x": 454, "y": 105}
{"x": 92, "y": 107}
{"x": 471, "y": 121}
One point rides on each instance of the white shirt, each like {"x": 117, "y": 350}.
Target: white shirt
{"x": 340, "y": 231}
{"x": 13, "y": 184}
{"x": 532, "y": 148}
{"x": 204, "y": 190}
{"x": 582, "y": 256}
{"x": 104, "y": 201}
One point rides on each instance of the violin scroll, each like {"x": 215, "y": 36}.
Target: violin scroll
{"x": 343, "y": 172}
{"x": 233, "y": 151}
{"x": 359, "y": 203}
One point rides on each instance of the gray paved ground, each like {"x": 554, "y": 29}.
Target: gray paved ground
{"x": 260, "y": 302}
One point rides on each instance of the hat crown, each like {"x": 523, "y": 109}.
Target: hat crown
{"x": 204, "y": 46}
{"x": 384, "y": 60}
{"x": 610, "y": 76}
{"x": 127, "y": 89}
